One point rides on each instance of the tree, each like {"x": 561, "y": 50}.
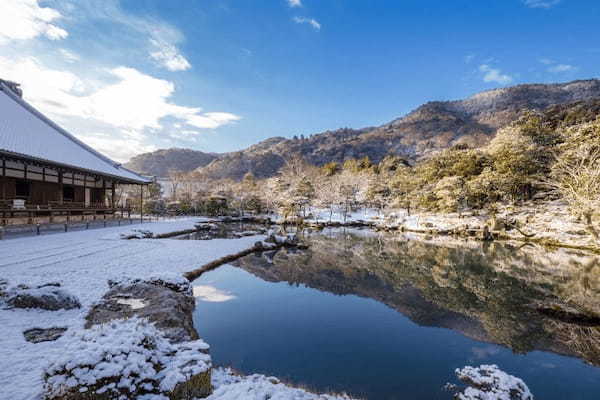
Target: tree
{"x": 577, "y": 179}
{"x": 176, "y": 177}
{"x": 304, "y": 194}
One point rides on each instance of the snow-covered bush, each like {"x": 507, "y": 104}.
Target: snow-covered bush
{"x": 128, "y": 359}
{"x": 488, "y": 382}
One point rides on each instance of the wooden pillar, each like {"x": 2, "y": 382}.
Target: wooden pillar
{"x": 142, "y": 204}
{"x": 60, "y": 187}
{"x": 112, "y": 195}
{"x": 3, "y": 180}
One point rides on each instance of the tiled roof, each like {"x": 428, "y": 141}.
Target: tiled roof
{"x": 25, "y": 132}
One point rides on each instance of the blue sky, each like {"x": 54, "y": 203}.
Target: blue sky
{"x": 219, "y": 75}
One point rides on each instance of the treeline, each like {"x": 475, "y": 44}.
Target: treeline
{"x": 542, "y": 155}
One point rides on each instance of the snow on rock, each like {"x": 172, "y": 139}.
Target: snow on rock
{"x": 488, "y": 382}
{"x": 171, "y": 280}
{"x": 230, "y": 386}
{"x": 45, "y": 297}
{"x": 126, "y": 359}
{"x": 164, "y": 299}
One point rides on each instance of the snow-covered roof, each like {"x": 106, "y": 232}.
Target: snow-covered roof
{"x": 26, "y": 133}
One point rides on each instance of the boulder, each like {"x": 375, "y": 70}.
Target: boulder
{"x": 38, "y": 335}
{"x": 167, "y": 303}
{"x": 45, "y": 297}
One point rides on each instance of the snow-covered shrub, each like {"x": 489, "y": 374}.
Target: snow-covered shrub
{"x": 128, "y": 359}
{"x": 488, "y": 382}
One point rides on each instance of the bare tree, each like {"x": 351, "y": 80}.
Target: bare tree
{"x": 576, "y": 177}
{"x": 176, "y": 177}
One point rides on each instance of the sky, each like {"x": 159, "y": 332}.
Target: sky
{"x": 132, "y": 76}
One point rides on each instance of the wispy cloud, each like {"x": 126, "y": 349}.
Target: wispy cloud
{"x": 558, "y": 68}
{"x": 69, "y": 56}
{"x": 541, "y": 3}
{"x": 294, "y": 3}
{"x": 160, "y": 39}
{"x": 310, "y": 21}
{"x": 167, "y": 55}
{"x": 494, "y": 75}
{"x": 25, "y": 19}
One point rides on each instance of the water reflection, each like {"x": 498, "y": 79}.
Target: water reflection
{"x": 491, "y": 292}
{"x": 212, "y": 294}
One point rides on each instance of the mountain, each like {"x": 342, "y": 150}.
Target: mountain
{"x": 158, "y": 163}
{"x": 431, "y": 127}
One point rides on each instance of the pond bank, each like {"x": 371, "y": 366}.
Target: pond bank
{"x": 548, "y": 224}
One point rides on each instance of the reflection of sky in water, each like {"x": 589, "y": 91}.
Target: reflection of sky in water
{"x": 212, "y": 294}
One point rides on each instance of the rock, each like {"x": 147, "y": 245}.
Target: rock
{"x": 38, "y": 335}
{"x": 168, "y": 306}
{"x": 44, "y": 297}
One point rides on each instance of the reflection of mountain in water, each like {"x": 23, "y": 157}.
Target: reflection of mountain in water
{"x": 488, "y": 292}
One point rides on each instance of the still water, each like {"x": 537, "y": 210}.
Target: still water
{"x": 383, "y": 317}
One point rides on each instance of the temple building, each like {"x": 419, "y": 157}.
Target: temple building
{"x": 46, "y": 174}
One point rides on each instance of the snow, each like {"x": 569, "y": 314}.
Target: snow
{"x": 124, "y": 357}
{"x": 83, "y": 262}
{"x": 230, "y": 386}
{"x": 488, "y": 382}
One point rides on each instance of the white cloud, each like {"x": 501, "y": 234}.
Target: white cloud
{"x": 541, "y": 3}
{"x": 295, "y": 3}
{"x": 124, "y": 107}
{"x": 546, "y": 61}
{"x": 310, "y": 21}
{"x": 468, "y": 58}
{"x": 25, "y": 19}
{"x": 168, "y": 56}
{"x": 494, "y": 75}
{"x": 558, "y": 68}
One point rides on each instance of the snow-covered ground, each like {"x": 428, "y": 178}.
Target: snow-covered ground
{"x": 82, "y": 262}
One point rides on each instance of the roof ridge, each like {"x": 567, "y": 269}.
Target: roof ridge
{"x": 7, "y": 90}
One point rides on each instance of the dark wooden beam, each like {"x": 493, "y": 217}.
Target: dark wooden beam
{"x": 3, "y": 181}
{"x": 61, "y": 192}
{"x": 141, "y": 203}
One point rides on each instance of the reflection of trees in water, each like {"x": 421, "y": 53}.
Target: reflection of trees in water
{"x": 486, "y": 291}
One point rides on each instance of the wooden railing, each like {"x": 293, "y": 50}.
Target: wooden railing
{"x": 7, "y": 205}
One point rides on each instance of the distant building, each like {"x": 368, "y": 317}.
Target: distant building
{"x": 46, "y": 173}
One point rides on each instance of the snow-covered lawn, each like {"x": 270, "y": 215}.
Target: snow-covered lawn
{"x": 82, "y": 262}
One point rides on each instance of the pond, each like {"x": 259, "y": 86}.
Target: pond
{"x": 384, "y": 317}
